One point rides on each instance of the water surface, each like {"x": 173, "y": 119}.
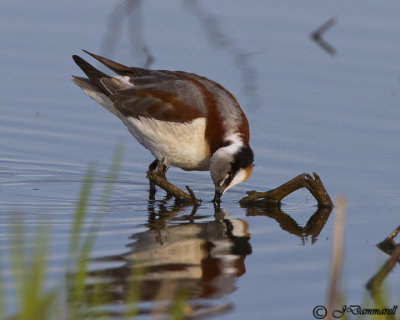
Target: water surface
{"x": 308, "y": 111}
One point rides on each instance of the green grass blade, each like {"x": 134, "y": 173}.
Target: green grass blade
{"x": 17, "y": 257}
{"x": 36, "y": 271}
{"x": 133, "y": 293}
{"x": 80, "y": 213}
{"x": 29, "y": 270}
{"x": 81, "y": 261}
{"x": 178, "y": 307}
{"x": 78, "y": 281}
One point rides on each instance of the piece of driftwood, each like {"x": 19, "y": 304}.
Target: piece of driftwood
{"x": 304, "y": 180}
{"x": 389, "y": 246}
{"x": 375, "y": 282}
{"x": 158, "y": 178}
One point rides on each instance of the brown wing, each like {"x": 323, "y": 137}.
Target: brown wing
{"x": 163, "y": 95}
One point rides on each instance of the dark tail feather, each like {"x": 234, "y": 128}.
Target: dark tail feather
{"x": 92, "y": 73}
{"x": 114, "y": 66}
{"x": 119, "y": 68}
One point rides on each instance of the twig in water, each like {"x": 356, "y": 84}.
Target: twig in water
{"x": 388, "y": 246}
{"x": 304, "y": 180}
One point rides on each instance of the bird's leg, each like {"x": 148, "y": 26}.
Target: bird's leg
{"x": 157, "y": 177}
{"x": 153, "y": 165}
{"x": 152, "y": 186}
{"x": 274, "y": 196}
{"x": 162, "y": 169}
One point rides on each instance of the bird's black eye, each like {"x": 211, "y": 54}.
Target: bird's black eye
{"x": 242, "y": 159}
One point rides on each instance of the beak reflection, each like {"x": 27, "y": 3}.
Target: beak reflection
{"x": 217, "y": 197}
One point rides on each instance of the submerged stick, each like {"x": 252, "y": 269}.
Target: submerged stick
{"x": 304, "y": 180}
{"x": 158, "y": 177}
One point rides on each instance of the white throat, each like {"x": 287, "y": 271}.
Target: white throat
{"x": 239, "y": 178}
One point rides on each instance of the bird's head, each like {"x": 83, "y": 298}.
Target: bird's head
{"x": 229, "y": 166}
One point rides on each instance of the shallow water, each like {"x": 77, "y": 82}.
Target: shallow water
{"x": 309, "y": 110}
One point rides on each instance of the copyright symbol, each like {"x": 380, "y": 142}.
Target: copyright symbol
{"x": 319, "y": 312}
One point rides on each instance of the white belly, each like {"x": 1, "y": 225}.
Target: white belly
{"x": 182, "y": 145}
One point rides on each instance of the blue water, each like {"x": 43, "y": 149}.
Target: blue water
{"x": 337, "y": 115}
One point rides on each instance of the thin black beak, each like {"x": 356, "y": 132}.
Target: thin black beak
{"x": 217, "y": 197}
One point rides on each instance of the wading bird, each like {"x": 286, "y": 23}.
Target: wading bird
{"x": 183, "y": 119}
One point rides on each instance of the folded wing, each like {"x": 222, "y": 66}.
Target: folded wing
{"x": 137, "y": 92}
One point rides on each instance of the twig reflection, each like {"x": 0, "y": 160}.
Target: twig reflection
{"x": 221, "y": 41}
{"x": 129, "y": 11}
{"x": 312, "y": 228}
{"x": 319, "y": 40}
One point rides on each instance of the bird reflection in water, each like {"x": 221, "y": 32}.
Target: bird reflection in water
{"x": 175, "y": 256}
{"x": 186, "y": 256}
